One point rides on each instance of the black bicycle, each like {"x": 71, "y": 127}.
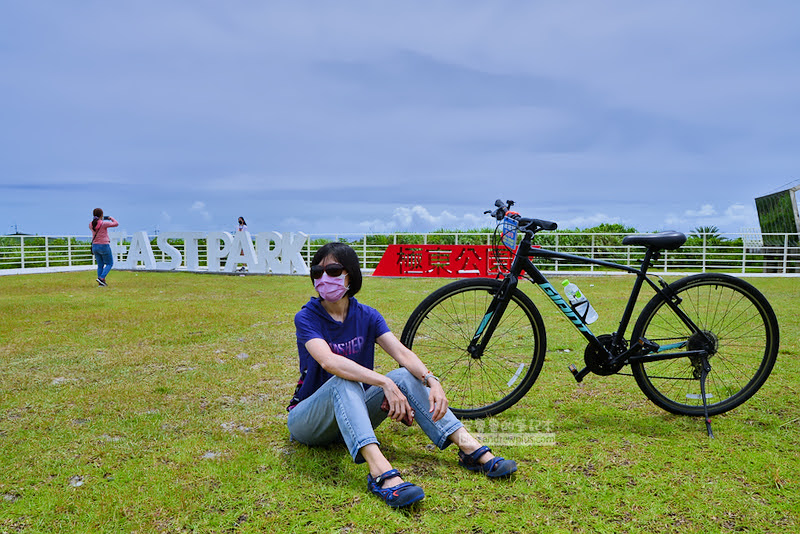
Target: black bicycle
{"x": 701, "y": 346}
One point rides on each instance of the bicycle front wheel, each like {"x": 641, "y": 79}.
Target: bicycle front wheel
{"x": 739, "y": 329}
{"x": 441, "y": 328}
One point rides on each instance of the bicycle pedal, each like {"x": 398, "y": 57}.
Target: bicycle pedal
{"x": 577, "y": 374}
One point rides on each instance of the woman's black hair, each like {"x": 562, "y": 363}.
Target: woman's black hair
{"x": 98, "y": 214}
{"x": 347, "y": 257}
{"x": 243, "y": 222}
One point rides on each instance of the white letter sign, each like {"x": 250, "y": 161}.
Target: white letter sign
{"x": 271, "y": 252}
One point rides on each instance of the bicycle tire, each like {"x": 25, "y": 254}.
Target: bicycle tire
{"x": 746, "y": 336}
{"x": 440, "y": 330}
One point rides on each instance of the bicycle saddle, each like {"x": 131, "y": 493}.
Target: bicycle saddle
{"x": 661, "y": 241}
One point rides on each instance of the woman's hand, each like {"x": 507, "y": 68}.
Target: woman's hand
{"x": 399, "y": 408}
{"x": 406, "y": 358}
{"x": 437, "y": 399}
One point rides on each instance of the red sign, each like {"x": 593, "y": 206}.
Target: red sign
{"x": 442, "y": 261}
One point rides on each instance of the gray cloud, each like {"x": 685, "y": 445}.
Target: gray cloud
{"x": 360, "y": 115}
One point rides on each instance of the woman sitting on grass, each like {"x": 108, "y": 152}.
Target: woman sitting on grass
{"x": 340, "y": 397}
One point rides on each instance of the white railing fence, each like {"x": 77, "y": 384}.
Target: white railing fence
{"x": 775, "y": 254}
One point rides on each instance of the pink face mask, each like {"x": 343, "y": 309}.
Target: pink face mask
{"x": 331, "y": 288}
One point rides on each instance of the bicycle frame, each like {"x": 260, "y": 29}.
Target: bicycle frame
{"x": 670, "y": 340}
{"x": 640, "y": 350}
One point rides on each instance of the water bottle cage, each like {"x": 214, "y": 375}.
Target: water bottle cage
{"x": 581, "y": 314}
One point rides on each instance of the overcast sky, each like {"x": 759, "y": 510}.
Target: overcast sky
{"x": 394, "y": 116}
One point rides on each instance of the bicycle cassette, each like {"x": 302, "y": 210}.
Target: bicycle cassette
{"x": 599, "y": 362}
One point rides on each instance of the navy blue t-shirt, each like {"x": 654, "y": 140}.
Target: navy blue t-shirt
{"x": 354, "y": 339}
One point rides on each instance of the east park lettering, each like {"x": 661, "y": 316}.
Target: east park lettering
{"x": 270, "y": 252}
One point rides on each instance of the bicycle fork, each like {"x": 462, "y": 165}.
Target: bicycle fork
{"x": 483, "y": 334}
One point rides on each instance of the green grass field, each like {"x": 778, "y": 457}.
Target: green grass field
{"x": 158, "y": 405}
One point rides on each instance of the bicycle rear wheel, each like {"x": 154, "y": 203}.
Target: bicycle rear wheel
{"x": 741, "y": 334}
{"x": 441, "y": 328}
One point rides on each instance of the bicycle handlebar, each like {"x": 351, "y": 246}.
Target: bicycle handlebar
{"x": 526, "y": 225}
{"x": 502, "y": 209}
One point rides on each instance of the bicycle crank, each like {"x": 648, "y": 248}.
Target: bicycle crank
{"x": 602, "y": 362}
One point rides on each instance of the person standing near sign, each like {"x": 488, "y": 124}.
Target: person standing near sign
{"x": 101, "y": 244}
{"x": 340, "y": 397}
{"x": 241, "y": 228}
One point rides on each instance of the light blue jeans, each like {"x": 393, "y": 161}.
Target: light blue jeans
{"x": 342, "y": 410}
{"x": 105, "y": 259}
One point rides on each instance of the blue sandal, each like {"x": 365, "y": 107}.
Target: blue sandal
{"x": 404, "y": 494}
{"x": 497, "y": 467}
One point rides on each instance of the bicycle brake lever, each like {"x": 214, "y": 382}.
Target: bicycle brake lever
{"x": 497, "y": 214}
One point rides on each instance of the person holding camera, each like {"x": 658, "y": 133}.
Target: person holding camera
{"x": 101, "y": 244}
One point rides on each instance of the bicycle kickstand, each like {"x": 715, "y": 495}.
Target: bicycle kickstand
{"x": 705, "y": 369}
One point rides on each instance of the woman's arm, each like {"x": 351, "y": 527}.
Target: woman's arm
{"x": 342, "y": 367}
{"x": 111, "y": 224}
{"x": 406, "y": 358}
{"x": 349, "y": 370}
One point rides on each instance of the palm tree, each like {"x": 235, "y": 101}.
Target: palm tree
{"x": 710, "y": 232}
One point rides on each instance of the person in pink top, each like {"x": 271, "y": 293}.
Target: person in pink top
{"x": 101, "y": 244}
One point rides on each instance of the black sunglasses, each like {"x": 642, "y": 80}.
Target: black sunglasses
{"x": 332, "y": 269}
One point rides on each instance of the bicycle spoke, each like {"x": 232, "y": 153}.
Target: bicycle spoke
{"x": 504, "y": 369}
{"x": 731, "y": 314}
